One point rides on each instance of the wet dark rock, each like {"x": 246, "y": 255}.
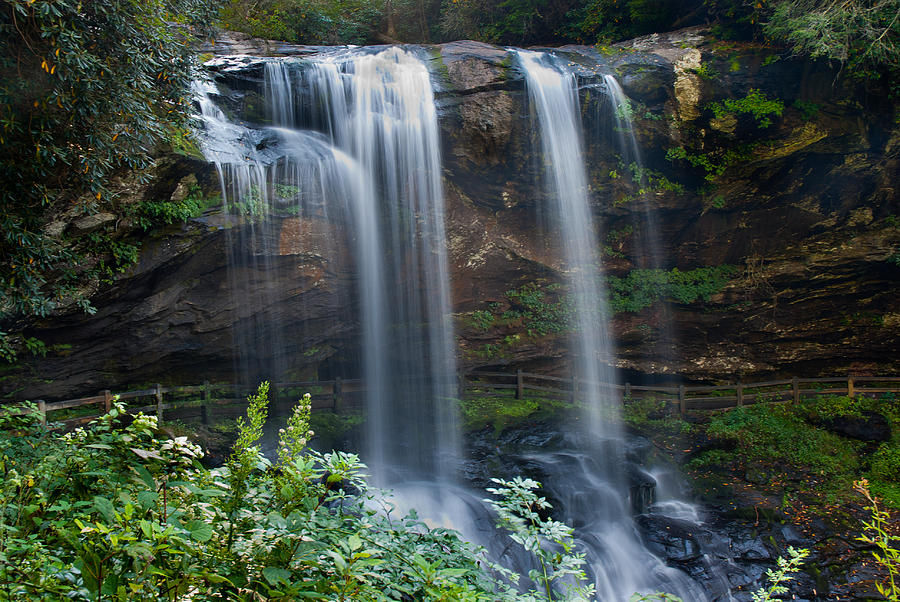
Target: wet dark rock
{"x": 671, "y": 539}
{"x": 871, "y": 426}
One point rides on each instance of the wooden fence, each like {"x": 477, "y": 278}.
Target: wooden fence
{"x": 199, "y": 401}
{"x": 683, "y": 397}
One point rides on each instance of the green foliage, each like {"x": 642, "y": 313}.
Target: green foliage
{"x": 652, "y": 181}
{"x": 766, "y": 432}
{"x": 481, "y": 319}
{"x": 863, "y": 35}
{"x": 707, "y": 71}
{"x": 827, "y": 407}
{"x": 306, "y": 21}
{"x": 795, "y": 435}
{"x": 614, "y": 239}
{"x": 717, "y": 202}
{"x": 154, "y": 214}
{"x": 245, "y": 454}
{"x": 649, "y": 413}
{"x": 112, "y": 512}
{"x": 599, "y": 21}
{"x": 541, "y": 310}
{"x": 547, "y": 21}
{"x": 755, "y": 103}
{"x": 808, "y": 110}
{"x": 887, "y": 546}
{"x": 885, "y": 463}
{"x": 777, "y": 577}
{"x": 715, "y": 162}
{"x": 88, "y": 89}
{"x": 12, "y": 346}
{"x": 550, "y": 541}
{"x": 501, "y": 412}
{"x": 641, "y": 288}
{"x": 294, "y": 436}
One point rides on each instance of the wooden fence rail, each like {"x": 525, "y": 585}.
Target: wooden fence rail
{"x": 338, "y": 394}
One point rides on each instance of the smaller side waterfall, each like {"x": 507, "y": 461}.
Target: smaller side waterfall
{"x": 632, "y": 161}
{"x": 554, "y": 100}
{"x": 279, "y": 93}
{"x": 589, "y": 482}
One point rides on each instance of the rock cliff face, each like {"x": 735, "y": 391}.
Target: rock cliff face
{"x": 805, "y": 209}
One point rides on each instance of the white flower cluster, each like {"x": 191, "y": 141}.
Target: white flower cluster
{"x": 295, "y": 437}
{"x": 144, "y": 422}
{"x": 78, "y": 435}
{"x": 182, "y": 449}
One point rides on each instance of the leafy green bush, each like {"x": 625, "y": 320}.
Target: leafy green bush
{"x": 517, "y": 512}
{"x": 540, "y": 309}
{"x": 714, "y": 162}
{"x": 886, "y": 552}
{"x": 120, "y": 513}
{"x": 481, "y": 319}
{"x": 501, "y": 411}
{"x": 306, "y": 21}
{"x": 641, "y": 288}
{"x": 826, "y": 407}
{"x": 862, "y": 35}
{"x": 152, "y": 214}
{"x": 89, "y": 88}
{"x": 885, "y": 463}
{"x": 755, "y": 103}
{"x": 651, "y": 413}
{"x": 776, "y": 433}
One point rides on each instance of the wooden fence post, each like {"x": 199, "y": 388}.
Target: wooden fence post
{"x": 337, "y": 394}
{"x": 795, "y": 389}
{"x": 628, "y": 390}
{"x": 42, "y": 408}
{"x": 107, "y": 401}
{"x": 159, "y": 404}
{"x": 740, "y": 394}
{"x": 204, "y": 407}
{"x": 850, "y": 391}
{"x": 682, "y": 402}
{"x": 520, "y": 384}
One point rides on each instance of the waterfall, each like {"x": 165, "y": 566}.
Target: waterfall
{"x": 589, "y": 481}
{"x": 554, "y": 100}
{"x": 369, "y": 163}
{"x": 350, "y": 149}
{"x": 379, "y": 107}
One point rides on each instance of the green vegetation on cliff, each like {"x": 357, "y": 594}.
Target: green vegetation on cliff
{"x": 88, "y": 90}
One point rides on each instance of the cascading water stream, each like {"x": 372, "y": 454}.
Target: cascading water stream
{"x": 555, "y": 102}
{"x": 379, "y": 107}
{"x": 589, "y": 482}
{"x": 375, "y": 113}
